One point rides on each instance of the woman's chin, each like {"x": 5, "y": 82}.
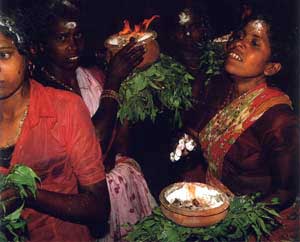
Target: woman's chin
{"x": 71, "y": 65}
{"x": 230, "y": 68}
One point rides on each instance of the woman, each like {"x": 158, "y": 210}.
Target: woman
{"x": 250, "y": 135}
{"x": 192, "y": 29}
{"x": 62, "y": 46}
{"x": 39, "y": 128}
{"x": 60, "y": 43}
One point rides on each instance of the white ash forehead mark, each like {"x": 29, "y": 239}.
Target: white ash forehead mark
{"x": 258, "y": 25}
{"x": 71, "y": 25}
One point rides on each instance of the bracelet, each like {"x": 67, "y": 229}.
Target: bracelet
{"x": 108, "y": 93}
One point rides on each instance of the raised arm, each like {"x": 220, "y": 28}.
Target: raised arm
{"x": 120, "y": 66}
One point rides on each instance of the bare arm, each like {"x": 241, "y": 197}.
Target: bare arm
{"x": 120, "y": 67}
{"x": 90, "y": 206}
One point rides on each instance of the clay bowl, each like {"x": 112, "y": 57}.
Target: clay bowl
{"x": 193, "y": 216}
{"x": 116, "y": 42}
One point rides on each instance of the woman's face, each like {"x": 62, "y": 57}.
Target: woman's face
{"x": 65, "y": 44}
{"x": 12, "y": 68}
{"x": 249, "y": 52}
{"x": 187, "y": 37}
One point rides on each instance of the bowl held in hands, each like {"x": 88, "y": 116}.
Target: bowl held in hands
{"x": 116, "y": 42}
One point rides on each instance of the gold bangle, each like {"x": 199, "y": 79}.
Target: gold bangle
{"x": 108, "y": 93}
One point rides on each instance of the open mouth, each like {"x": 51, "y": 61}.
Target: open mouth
{"x": 235, "y": 56}
{"x": 74, "y": 58}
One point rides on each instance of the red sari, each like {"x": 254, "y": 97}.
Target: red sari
{"x": 229, "y": 123}
{"x": 223, "y": 131}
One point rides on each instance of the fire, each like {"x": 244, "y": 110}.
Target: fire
{"x": 147, "y": 22}
{"x": 126, "y": 29}
{"x": 140, "y": 28}
{"x": 192, "y": 190}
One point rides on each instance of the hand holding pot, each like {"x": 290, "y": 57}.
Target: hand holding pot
{"x": 123, "y": 63}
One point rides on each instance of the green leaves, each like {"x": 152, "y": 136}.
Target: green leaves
{"x": 164, "y": 85}
{"x": 23, "y": 179}
{"x": 212, "y": 56}
{"x": 244, "y": 218}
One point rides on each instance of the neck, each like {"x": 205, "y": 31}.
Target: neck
{"x": 243, "y": 85}
{"x": 66, "y": 76}
{"x": 16, "y": 103}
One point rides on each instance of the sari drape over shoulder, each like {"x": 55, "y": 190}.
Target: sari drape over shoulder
{"x": 229, "y": 123}
{"x": 237, "y": 126}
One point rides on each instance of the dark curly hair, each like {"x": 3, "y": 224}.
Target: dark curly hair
{"x": 280, "y": 36}
{"x": 15, "y": 24}
{"x": 48, "y": 12}
{"x": 199, "y": 10}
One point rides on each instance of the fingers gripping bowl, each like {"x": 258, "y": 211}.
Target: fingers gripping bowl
{"x": 116, "y": 42}
{"x": 193, "y": 204}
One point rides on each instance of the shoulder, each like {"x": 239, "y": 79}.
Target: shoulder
{"x": 62, "y": 97}
{"x": 95, "y": 72}
{"x": 59, "y": 100}
{"x": 275, "y": 90}
{"x": 278, "y": 119}
{"x": 279, "y": 115}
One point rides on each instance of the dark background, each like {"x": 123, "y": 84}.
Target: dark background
{"x": 103, "y": 18}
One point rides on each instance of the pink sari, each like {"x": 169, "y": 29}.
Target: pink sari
{"x": 130, "y": 197}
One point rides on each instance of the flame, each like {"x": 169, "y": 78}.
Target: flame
{"x": 126, "y": 29}
{"x": 192, "y": 190}
{"x": 147, "y": 22}
{"x": 137, "y": 29}
{"x": 140, "y": 28}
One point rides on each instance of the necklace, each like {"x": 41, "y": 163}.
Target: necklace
{"x": 230, "y": 96}
{"x": 18, "y": 132}
{"x": 53, "y": 79}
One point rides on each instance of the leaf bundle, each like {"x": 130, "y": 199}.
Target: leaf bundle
{"x": 245, "y": 218}
{"x": 23, "y": 179}
{"x": 164, "y": 85}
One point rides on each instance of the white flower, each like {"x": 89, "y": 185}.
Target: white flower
{"x": 184, "y": 17}
{"x": 190, "y": 145}
{"x": 181, "y": 142}
{"x": 178, "y": 152}
{"x": 181, "y": 146}
{"x": 172, "y": 156}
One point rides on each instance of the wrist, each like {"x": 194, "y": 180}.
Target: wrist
{"x": 111, "y": 94}
{"x": 31, "y": 198}
{"x": 112, "y": 83}
{"x": 10, "y": 201}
